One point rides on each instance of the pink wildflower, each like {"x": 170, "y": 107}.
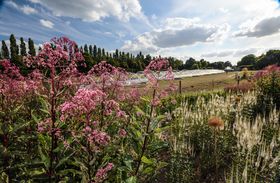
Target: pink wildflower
{"x": 84, "y": 102}
{"x": 122, "y": 133}
{"x": 102, "y": 173}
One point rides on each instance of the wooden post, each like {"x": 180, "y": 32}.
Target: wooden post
{"x": 180, "y": 87}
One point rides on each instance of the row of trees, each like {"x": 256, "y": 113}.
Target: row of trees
{"x": 269, "y": 58}
{"x": 130, "y": 62}
{"x": 191, "y": 63}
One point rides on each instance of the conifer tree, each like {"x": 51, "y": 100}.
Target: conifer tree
{"x": 90, "y": 49}
{"x": 14, "y": 48}
{"x": 99, "y": 53}
{"x": 117, "y": 53}
{"x": 103, "y": 52}
{"x": 94, "y": 51}
{"x": 5, "y": 50}
{"x": 86, "y": 48}
{"x": 31, "y": 47}
{"x": 22, "y": 47}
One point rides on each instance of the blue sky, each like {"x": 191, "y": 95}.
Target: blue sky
{"x": 214, "y": 30}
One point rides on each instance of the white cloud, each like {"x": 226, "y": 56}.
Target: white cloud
{"x": 218, "y": 54}
{"x": 223, "y": 10}
{"x": 12, "y": 4}
{"x": 262, "y": 28}
{"x": 241, "y": 53}
{"x": 176, "y": 32}
{"x": 26, "y": 9}
{"x": 142, "y": 43}
{"x": 46, "y": 23}
{"x": 94, "y": 10}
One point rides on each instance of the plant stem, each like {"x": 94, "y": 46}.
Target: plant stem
{"x": 146, "y": 136}
{"x": 88, "y": 151}
{"x": 53, "y": 119}
{"x": 215, "y": 152}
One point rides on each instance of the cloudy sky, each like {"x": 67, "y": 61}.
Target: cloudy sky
{"x": 210, "y": 29}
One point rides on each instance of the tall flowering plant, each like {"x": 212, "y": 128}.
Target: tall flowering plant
{"x": 16, "y": 100}
{"x": 58, "y": 61}
{"x": 96, "y": 120}
{"x": 268, "y": 86}
{"x": 150, "y": 128}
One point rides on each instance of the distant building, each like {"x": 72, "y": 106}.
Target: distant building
{"x": 228, "y": 69}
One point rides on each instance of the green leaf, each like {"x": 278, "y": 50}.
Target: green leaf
{"x": 128, "y": 164}
{"x": 154, "y": 124}
{"x": 162, "y": 129}
{"x": 4, "y": 177}
{"x": 161, "y": 164}
{"x": 45, "y": 111}
{"x": 35, "y": 118}
{"x": 19, "y": 127}
{"x": 17, "y": 108}
{"x": 145, "y": 99}
{"x": 148, "y": 170}
{"x": 45, "y": 159}
{"x": 145, "y": 160}
{"x": 132, "y": 179}
{"x": 37, "y": 172}
{"x": 63, "y": 160}
{"x": 138, "y": 109}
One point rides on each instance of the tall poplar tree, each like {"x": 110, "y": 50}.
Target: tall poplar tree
{"x": 94, "y": 51}
{"x": 14, "y": 48}
{"x": 22, "y": 47}
{"x": 5, "y": 50}
{"x": 31, "y": 47}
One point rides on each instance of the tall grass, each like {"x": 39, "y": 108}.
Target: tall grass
{"x": 244, "y": 149}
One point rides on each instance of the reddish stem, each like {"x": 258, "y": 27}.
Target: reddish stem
{"x": 146, "y": 136}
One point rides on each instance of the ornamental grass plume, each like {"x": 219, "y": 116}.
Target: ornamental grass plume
{"x": 215, "y": 122}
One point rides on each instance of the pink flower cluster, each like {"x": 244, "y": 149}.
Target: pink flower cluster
{"x": 84, "y": 102}
{"x": 153, "y": 71}
{"x": 45, "y": 126}
{"x": 102, "y": 68}
{"x": 95, "y": 136}
{"x": 267, "y": 71}
{"x": 15, "y": 86}
{"x": 111, "y": 106}
{"x": 109, "y": 79}
{"x": 158, "y": 64}
{"x": 102, "y": 173}
{"x": 156, "y": 70}
{"x": 122, "y": 133}
{"x": 10, "y": 70}
{"x": 60, "y": 56}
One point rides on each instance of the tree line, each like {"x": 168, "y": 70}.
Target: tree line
{"x": 258, "y": 62}
{"x": 129, "y": 61}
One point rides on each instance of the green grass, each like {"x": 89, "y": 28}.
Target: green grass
{"x": 203, "y": 83}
